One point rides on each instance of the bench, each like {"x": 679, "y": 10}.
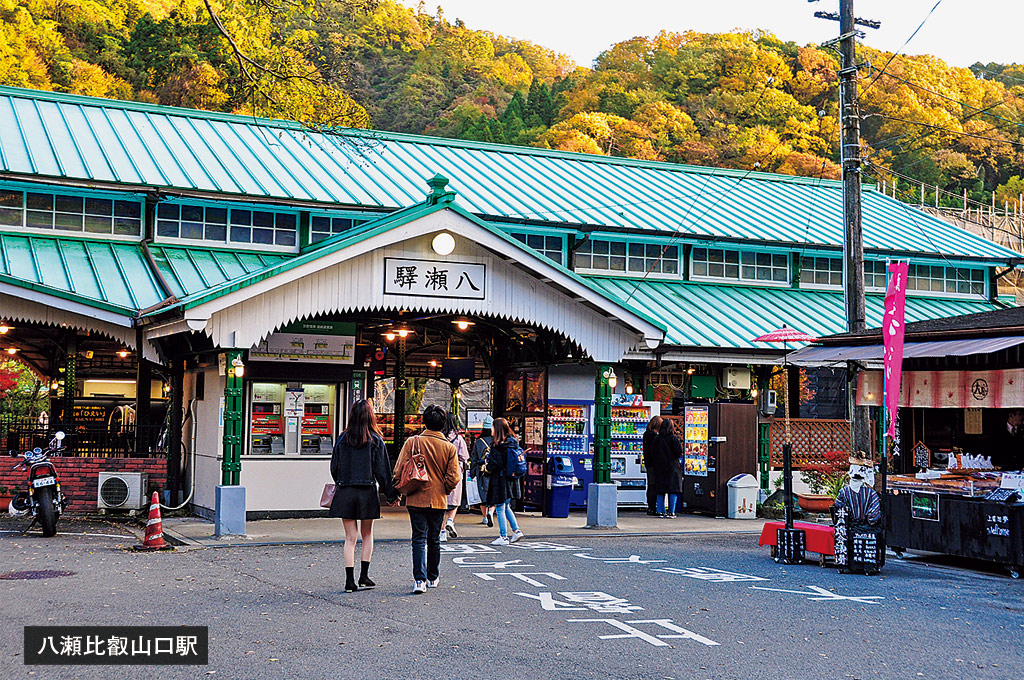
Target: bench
{"x": 820, "y": 537}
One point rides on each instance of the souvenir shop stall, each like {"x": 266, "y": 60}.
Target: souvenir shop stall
{"x": 955, "y": 483}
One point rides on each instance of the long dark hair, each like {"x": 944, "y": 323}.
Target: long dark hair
{"x": 666, "y": 428}
{"x": 362, "y": 424}
{"x": 500, "y": 430}
{"x": 653, "y": 424}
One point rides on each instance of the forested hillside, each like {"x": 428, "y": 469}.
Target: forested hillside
{"x": 744, "y": 100}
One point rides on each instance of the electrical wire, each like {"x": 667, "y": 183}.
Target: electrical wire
{"x": 905, "y": 43}
{"x": 976, "y": 109}
{"x": 945, "y": 129}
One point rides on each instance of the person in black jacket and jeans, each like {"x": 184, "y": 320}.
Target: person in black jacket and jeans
{"x": 360, "y": 467}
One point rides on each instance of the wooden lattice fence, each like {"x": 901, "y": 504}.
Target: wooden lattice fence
{"x": 811, "y": 439}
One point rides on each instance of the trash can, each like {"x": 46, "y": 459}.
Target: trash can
{"x": 559, "y": 486}
{"x": 743, "y": 497}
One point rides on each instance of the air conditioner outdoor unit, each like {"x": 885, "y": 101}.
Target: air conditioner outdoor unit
{"x": 737, "y": 378}
{"x": 122, "y": 490}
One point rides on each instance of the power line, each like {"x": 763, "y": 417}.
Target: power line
{"x": 905, "y": 43}
{"x": 946, "y": 129}
{"x": 954, "y": 100}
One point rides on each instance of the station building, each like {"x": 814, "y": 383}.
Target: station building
{"x": 212, "y": 291}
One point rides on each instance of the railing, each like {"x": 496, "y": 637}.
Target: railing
{"x": 97, "y": 440}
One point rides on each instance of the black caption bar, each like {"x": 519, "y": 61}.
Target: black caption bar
{"x": 116, "y": 645}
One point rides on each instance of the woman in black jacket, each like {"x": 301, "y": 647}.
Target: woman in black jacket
{"x": 502, "y": 489}
{"x": 667, "y": 452}
{"x": 360, "y": 467}
{"x": 650, "y": 434}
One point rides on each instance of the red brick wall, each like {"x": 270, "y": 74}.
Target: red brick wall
{"x": 79, "y": 477}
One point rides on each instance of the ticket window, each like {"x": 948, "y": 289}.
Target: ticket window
{"x": 292, "y": 418}
{"x": 266, "y": 419}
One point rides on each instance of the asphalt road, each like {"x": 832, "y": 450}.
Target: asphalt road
{"x": 280, "y": 612}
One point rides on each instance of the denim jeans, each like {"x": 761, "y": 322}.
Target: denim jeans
{"x": 673, "y": 501}
{"x": 503, "y": 511}
{"x": 426, "y": 542}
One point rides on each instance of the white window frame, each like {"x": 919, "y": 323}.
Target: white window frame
{"x": 227, "y": 242}
{"x": 740, "y": 279}
{"x": 524, "y": 236}
{"x": 626, "y": 272}
{"x": 356, "y": 219}
{"x": 55, "y": 231}
{"x": 950, "y": 275}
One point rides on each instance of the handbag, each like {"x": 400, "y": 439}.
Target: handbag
{"x": 472, "y": 491}
{"x": 327, "y": 496}
{"x": 413, "y": 475}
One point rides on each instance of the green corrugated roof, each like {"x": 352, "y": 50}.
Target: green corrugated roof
{"x": 385, "y": 224}
{"x": 51, "y": 135}
{"x": 109, "y": 275}
{"x": 732, "y": 316}
{"x": 114, "y": 275}
{"x": 190, "y": 271}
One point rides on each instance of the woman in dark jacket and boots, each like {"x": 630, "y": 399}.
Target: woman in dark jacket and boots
{"x": 360, "y": 467}
{"x": 667, "y": 452}
{"x": 650, "y": 434}
{"x": 502, "y": 489}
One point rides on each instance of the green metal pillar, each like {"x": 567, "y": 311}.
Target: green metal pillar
{"x": 70, "y": 379}
{"x": 602, "y": 426}
{"x": 400, "y": 393}
{"x": 231, "y": 465}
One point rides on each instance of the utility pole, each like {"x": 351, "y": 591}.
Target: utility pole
{"x": 853, "y": 243}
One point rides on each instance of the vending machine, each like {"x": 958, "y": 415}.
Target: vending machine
{"x": 266, "y": 419}
{"x": 317, "y": 425}
{"x": 569, "y": 434}
{"x": 630, "y": 415}
{"x": 719, "y": 442}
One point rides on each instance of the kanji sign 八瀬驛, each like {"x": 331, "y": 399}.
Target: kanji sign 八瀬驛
{"x": 428, "y": 278}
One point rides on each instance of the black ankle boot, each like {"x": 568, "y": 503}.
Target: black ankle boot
{"x": 350, "y": 581}
{"x": 364, "y": 580}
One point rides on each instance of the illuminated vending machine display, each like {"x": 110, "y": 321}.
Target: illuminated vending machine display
{"x": 569, "y": 435}
{"x": 317, "y": 430}
{"x": 630, "y": 414}
{"x": 266, "y": 419}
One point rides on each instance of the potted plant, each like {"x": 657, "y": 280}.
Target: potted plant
{"x": 826, "y": 479}
{"x": 6, "y": 496}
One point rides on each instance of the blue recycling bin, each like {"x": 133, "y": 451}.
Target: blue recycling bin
{"x": 559, "y": 486}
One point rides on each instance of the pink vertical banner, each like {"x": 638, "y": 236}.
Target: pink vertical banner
{"x": 892, "y": 338}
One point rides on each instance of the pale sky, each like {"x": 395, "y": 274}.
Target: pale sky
{"x": 960, "y": 32}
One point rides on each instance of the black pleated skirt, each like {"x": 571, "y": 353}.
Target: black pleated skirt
{"x": 355, "y": 502}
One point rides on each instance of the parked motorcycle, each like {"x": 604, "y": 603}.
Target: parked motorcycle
{"x": 43, "y": 499}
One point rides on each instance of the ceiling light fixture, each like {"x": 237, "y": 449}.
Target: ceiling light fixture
{"x": 4, "y": 327}
{"x": 463, "y": 323}
{"x": 123, "y": 354}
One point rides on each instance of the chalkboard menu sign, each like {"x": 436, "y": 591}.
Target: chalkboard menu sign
{"x": 922, "y": 455}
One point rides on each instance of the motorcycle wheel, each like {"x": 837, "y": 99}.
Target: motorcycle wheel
{"x": 47, "y": 510}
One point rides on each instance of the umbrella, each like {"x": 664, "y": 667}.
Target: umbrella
{"x": 786, "y": 335}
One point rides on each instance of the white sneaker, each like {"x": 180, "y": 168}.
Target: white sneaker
{"x": 444, "y": 536}
{"x": 501, "y": 540}
{"x": 450, "y": 528}
{"x": 516, "y": 535}
{"x": 433, "y": 584}
{"x": 419, "y": 588}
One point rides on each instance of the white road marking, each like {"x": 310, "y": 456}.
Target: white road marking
{"x": 514, "y": 564}
{"x": 819, "y": 594}
{"x": 523, "y": 576}
{"x": 634, "y": 559}
{"x": 632, "y": 632}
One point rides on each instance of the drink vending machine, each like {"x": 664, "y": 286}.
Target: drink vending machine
{"x": 569, "y": 434}
{"x": 630, "y": 415}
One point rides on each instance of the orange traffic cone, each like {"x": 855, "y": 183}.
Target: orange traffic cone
{"x": 154, "y": 539}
